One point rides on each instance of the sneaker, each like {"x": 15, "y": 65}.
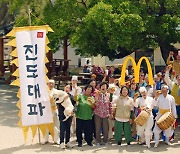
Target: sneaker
{"x": 98, "y": 144}
{"x": 79, "y": 144}
{"x": 148, "y": 146}
{"x": 44, "y": 142}
{"x": 141, "y": 143}
{"x": 119, "y": 143}
{"x": 156, "y": 145}
{"x": 56, "y": 142}
{"x": 62, "y": 146}
{"x": 104, "y": 143}
{"x": 90, "y": 144}
{"x": 167, "y": 142}
{"x": 69, "y": 145}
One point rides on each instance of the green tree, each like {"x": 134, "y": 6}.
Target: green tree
{"x": 63, "y": 17}
{"x": 113, "y": 28}
{"x": 109, "y": 30}
{"x": 117, "y": 28}
{"x": 23, "y": 9}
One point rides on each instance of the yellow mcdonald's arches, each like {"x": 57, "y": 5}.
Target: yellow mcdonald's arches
{"x": 150, "y": 75}
{"x": 122, "y": 81}
{"x": 136, "y": 69}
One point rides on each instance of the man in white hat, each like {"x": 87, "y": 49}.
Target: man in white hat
{"x": 74, "y": 81}
{"x": 75, "y": 89}
{"x": 165, "y": 103}
{"x": 52, "y": 91}
{"x": 145, "y": 103}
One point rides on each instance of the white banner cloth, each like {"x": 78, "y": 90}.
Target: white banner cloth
{"x": 35, "y": 102}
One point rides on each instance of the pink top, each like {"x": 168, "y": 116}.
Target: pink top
{"x": 103, "y": 105}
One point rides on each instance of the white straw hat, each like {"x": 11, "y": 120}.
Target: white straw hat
{"x": 51, "y": 81}
{"x": 142, "y": 89}
{"x": 74, "y": 77}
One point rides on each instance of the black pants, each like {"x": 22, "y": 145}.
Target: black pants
{"x": 65, "y": 129}
{"x": 86, "y": 127}
{"x": 93, "y": 127}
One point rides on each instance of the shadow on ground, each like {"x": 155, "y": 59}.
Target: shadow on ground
{"x": 38, "y": 148}
{"x": 8, "y": 109}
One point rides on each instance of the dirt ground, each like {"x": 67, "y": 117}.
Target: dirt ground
{"x": 12, "y": 140}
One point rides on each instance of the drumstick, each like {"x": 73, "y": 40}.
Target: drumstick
{"x": 136, "y": 94}
{"x": 169, "y": 66}
{"x": 158, "y": 91}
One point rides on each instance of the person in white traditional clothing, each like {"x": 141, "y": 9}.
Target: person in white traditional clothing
{"x": 165, "y": 103}
{"x": 52, "y": 91}
{"x": 175, "y": 89}
{"x": 75, "y": 88}
{"x": 145, "y": 103}
{"x": 74, "y": 81}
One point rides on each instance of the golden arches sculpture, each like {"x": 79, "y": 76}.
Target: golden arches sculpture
{"x": 136, "y": 70}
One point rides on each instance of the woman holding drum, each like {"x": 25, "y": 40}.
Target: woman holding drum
{"x": 166, "y": 115}
{"x": 144, "y": 120}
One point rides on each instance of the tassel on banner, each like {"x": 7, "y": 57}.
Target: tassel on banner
{"x": 16, "y": 82}
{"x": 11, "y": 33}
{"x": 18, "y": 104}
{"x": 34, "y": 130}
{"x": 46, "y": 70}
{"x": 19, "y": 113}
{"x": 47, "y": 49}
{"x": 19, "y": 94}
{"x": 51, "y": 129}
{"x": 49, "y": 29}
{"x": 12, "y": 43}
{"x": 16, "y": 73}
{"x": 47, "y": 79}
{"x": 47, "y": 40}
{"x": 15, "y": 62}
{"x": 43, "y": 129}
{"x": 25, "y": 132}
{"x": 46, "y": 60}
{"x": 14, "y": 53}
{"x": 20, "y": 123}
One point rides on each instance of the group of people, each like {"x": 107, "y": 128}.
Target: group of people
{"x": 105, "y": 110}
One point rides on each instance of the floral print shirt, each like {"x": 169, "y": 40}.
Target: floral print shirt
{"x": 103, "y": 105}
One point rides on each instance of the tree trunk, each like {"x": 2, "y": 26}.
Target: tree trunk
{"x": 65, "y": 46}
{"x": 66, "y": 62}
{"x": 165, "y": 53}
{"x": 1, "y": 57}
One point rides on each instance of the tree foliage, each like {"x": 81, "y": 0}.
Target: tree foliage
{"x": 117, "y": 28}
{"x": 63, "y": 16}
{"x": 113, "y": 28}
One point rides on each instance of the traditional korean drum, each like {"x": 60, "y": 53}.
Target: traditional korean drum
{"x": 166, "y": 121}
{"x": 142, "y": 118}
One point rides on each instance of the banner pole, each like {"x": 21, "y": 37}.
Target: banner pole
{"x": 39, "y": 135}
{"x": 29, "y": 14}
